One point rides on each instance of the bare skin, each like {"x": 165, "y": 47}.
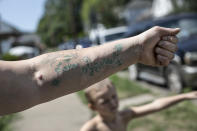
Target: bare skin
{"x": 44, "y": 78}
{"x": 105, "y": 102}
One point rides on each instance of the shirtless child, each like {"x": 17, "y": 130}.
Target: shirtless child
{"x": 102, "y": 97}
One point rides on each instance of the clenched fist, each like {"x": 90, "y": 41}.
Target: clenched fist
{"x": 158, "y": 46}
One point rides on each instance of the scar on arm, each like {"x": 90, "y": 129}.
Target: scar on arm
{"x": 39, "y": 78}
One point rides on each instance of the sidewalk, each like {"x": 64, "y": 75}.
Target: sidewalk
{"x": 64, "y": 114}
{"x": 137, "y": 100}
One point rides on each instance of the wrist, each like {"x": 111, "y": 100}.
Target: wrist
{"x": 187, "y": 96}
{"x": 184, "y": 96}
{"x": 138, "y": 48}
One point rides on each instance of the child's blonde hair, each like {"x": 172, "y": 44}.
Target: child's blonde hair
{"x": 90, "y": 91}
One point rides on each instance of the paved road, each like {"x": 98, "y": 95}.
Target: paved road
{"x": 63, "y": 114}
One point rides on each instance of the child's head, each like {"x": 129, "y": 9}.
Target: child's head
{"x": 102, "y": 97}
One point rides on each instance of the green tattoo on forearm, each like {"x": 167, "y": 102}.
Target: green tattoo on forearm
{"x": 63, "y": 65}
{"x": 91, "y": 68}
{"x": 55, "y": 82}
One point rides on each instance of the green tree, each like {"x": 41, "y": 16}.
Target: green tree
{"x": 188, "y": 6}
{"x": 99, "y": 11}
{"x": 60, "y": 21}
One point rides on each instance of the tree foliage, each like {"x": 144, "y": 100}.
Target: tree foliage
{"x": 188, "y": 6}
{"x": 99, "y": 11}
{"x": 60, "y": 21}
{"x": 63, "y": 18}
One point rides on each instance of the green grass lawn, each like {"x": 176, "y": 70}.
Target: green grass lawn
{"x": 182, "y": 117}
{"x": 125, "y": 88}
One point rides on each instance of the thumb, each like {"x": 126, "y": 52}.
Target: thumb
{"x": 169, "y": 31}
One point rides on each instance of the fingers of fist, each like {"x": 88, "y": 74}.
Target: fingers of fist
{"x": 172, "y": 39}
{"x": 162, "y": 60}
{"x": 165, "y": 50}
{"x": 170, "y": 46}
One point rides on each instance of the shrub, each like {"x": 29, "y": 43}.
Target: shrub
{"x": 9, "y": 57}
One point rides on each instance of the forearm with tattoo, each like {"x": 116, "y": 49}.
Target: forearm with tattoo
{"x": 61, "y": 63}
{"x": 85, "y": 66}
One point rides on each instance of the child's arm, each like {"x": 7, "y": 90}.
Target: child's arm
{"x": 157, "y": 105}
{"x": 89, "y": 126}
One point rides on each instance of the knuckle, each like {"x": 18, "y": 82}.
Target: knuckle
{"x": 161, "y": 43}
{"x": 165, "y": 59}
{"x": 169, "y": 38}
{"x": 165, "y": 38}
{"x": 170, "y": 46}
{"x": 158, "y": 49}
{"x": 171, "y": 56}
{"x": 157, "y": 56}
{"x": 176, "y": 39}
{"x": 173, "y": 39}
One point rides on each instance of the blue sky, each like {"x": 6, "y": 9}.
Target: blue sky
{"x": 23, "y": 14}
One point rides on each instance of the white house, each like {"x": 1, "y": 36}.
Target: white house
{"x": 163, "y": 7}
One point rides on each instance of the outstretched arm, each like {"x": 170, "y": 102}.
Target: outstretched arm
{"x": 158, "y": 105}
{"x": 27, "y": 83}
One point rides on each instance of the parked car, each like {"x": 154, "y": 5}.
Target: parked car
{"x": 112, "y": 34}
{"x": 103, "y": 35}
{"x": 182, "y": 71}
{"x": 24, "y": 52}
{"x": 67, "y": 45}
{"x": 84, "y": 42}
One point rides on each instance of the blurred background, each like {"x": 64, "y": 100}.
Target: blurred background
{"x": 31, "y": 28}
